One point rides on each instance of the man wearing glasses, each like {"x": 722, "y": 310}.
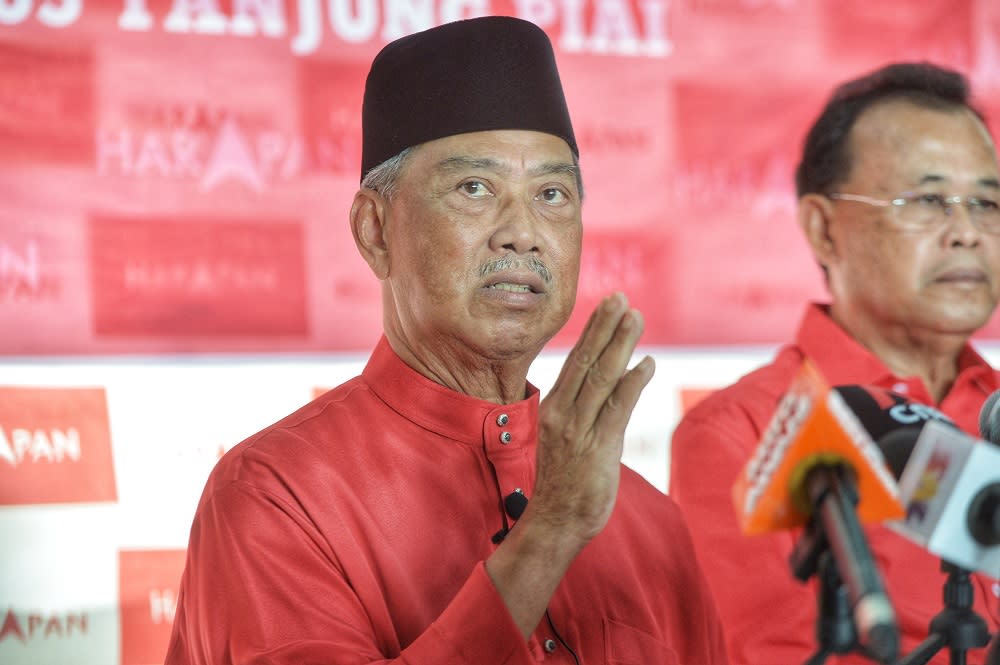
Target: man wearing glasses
{"x": 898, "y": 188}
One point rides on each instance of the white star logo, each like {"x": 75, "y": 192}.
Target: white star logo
{"x": 231, "y": 158}
{"x": 5, "y": 451}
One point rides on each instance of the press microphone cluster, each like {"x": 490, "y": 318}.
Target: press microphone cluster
{"x": 948, "y": 482}
{"x": 817, "y": 463}
{"x": 833, "y": 455}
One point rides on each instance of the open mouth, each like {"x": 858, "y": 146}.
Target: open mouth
{"x": 513, "y": 288}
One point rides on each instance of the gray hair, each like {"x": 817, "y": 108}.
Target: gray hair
{"x": 385, "y": 177}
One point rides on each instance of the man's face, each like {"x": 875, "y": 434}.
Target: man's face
{"x": 942, "y": 279}
{"x": 484, "y": 236}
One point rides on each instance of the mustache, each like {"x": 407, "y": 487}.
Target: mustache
{"x": 510, "y": 262}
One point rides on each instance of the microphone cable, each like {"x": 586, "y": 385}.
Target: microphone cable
{"x": 514, "y": 505}
{"x": 559, "y": 637}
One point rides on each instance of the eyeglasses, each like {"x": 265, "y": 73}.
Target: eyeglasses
{"x": 921, "y": 212}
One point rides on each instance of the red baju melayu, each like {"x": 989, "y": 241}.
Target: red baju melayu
{"x": 356, "y": 529}
{"x": 768, "y": 616}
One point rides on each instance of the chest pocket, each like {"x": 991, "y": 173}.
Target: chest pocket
{"x": 625, "y": 645}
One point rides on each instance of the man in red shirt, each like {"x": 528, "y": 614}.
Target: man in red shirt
{"x": 898, "y": 185}
{"x": 433, "y": 510}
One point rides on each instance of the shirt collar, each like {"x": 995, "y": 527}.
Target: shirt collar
{"x": 447, "y": 412}
{"x": 843, "y": 360}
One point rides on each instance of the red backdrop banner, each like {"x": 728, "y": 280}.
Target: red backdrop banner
{"x": 177, "y": 270}
{"x": 176, "y": 174}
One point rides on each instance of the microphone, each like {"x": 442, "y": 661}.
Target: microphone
{"x": 950, "y": 485}
{"x": 989, "y": 429}
{"x": 514, "y": 505}
{"x": 989, "y": 419}
{"x": 813, "y": 425}
{"x": 816, "y": 463}
{"x": 950, "y": 488}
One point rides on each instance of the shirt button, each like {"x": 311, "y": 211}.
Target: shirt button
{"x": 900, "y": 388}
{"x": 502, "y": 419}
{"x": 505, "y": 438}
{"x": 550, "y": 645}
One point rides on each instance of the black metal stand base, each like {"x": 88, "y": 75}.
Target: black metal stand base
{"x": 993, "y": 655}
{"x": 957, "y": 627}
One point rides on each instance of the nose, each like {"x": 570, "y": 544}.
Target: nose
{"x": 962, "y": 229}
{"x": 517, "y": 229}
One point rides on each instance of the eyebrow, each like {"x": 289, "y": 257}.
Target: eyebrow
{"x": 992, "y": 183}
{"x": 461, "y": 163}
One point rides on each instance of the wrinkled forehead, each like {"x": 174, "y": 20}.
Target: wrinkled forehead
{"x": 900, "y": 140}
{"x": 500, "y": 154}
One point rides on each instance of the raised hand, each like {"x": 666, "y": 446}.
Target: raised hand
{"x": 582, "y": 421}
{"x": 581, "y": 432}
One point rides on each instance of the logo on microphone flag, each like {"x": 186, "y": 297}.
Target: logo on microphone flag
{"x": 812, "y": 425}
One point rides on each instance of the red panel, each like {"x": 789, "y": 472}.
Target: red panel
{"x": 46, "y": 104}
{"x": 691, "y": 396}
{"x": 148, "y": 581}
{"x": 638, "y": 264}
{"x": 156, "y": 277}
{"x": 55, "y": 446}
{"x": 330, "y": 110}
{"x": 941, "y": 32}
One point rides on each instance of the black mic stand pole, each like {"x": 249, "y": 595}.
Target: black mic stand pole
{"x": 835, "y": 542}
{"x": 957, "y": 626}
{"x": 835, "y": 632}
{"x": 993, "y": 657}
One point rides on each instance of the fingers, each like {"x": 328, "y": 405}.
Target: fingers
{"x": 599, "y": 331}
{"x": 582, "y": 422}
{"x": 617, "y": 409}
{"x": 602, "y": 381}
{"x": 594, "y": 371}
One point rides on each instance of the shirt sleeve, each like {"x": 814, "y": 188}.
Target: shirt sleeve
{"x": 262, "y": 587}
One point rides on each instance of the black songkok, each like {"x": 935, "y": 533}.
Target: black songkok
{"x": 494, "y": 72}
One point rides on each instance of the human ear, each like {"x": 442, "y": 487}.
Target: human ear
{"x": 368, "y": 228}
{"x": 817, "y": 220}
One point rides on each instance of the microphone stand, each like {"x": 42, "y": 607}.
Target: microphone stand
{"x": 957, "y": 626}
{"x": 835, "y": 631}
{"x": 833, "y": 547}
{"x": 993, "y": 657}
